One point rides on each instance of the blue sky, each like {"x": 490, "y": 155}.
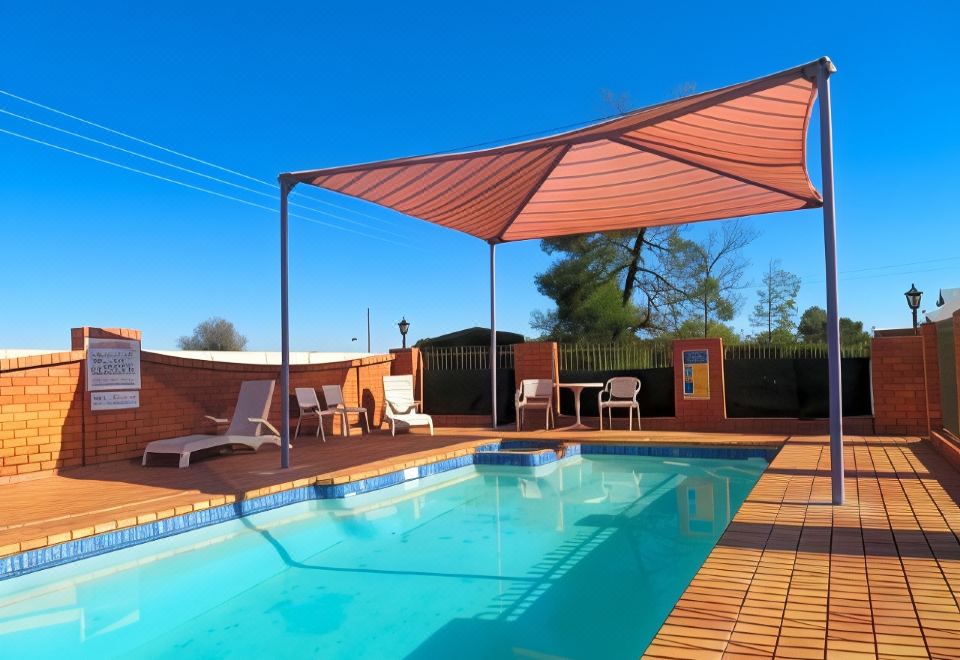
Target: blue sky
{"x": 260, "y": 89}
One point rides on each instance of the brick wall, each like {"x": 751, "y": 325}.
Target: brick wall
{"x": 407, "y": 361}
{"x": 931, "y": 372}
{"x": 46, "y": 423}
{"x": 700, "y": 412}
{"x": 536, "y": 360}
{"x": 899, "y": 385}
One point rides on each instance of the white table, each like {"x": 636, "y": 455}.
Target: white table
{"x": 577, "y": 388}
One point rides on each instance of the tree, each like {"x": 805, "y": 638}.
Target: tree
{"x": 709, "y": 273}
{"x": 591, "y": 268}
{"x": 812, "y": 328}
{"x": 214, "y": 334}
{"x": 776, "y": 306}
{"x": 692, "y": 328}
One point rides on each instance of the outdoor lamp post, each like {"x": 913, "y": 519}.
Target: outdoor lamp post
{"x": 913, "y": 302}
{"x": 404, "y": 326}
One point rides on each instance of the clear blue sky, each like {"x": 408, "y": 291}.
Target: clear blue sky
{"x": 263, "y": 89}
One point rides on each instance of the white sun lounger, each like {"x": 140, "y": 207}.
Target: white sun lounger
{"x": 249, "y": 417}
{"x": 400, "y": 406}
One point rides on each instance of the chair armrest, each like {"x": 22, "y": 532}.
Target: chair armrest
{"x": 404, "y": 411}
{"x": 217, "y": 420}
{"x": 265, "y": 423}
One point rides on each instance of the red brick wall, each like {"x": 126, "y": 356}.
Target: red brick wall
{"x": 41, "y": 421}
{"x": 931, "y": 372}
{"x": 46, "y": 422}
{"x": 698, "y": 412}
{"x": 899, "y": 385}
{"x": 407, "y": 361}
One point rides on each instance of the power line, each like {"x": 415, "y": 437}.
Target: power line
{"x": 182, "y": 169}
{"x": 179, "y": 153}
{"x": 198, "y": 188}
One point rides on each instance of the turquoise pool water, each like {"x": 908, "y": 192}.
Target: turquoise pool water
{"x": 583, "y": 558}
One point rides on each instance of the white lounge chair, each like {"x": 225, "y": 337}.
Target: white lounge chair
{"x": 249, "y": 418}
{"x": 400, "y": 406}
{"x": 621, "y": 392}
{"x": 309, "y": 406}
{"x": 536, "y": 394}
{"x": 333, "y": 397}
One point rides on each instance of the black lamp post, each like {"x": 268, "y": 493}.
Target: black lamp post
{"x": 913, "y": 302}
{"x": 404, "y": 326}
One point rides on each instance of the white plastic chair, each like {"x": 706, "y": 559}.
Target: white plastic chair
{"x": 249, "y": 419}
{"x": 621, "y": 392}
{"x": 400, "y": 406}
{"x": 536, "y": 394}
{"x": 309, "y": 406}
{"x": 333, "y": 396}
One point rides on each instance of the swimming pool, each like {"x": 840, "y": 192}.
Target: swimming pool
{"x": 581, "y": 558}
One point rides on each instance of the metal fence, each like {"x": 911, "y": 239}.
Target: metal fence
{"x": 464, "y": 358}
{"x": 612, "y": 357}
{"x": 757, "y": 351}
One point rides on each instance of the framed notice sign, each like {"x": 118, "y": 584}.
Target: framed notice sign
{"x": 114, "y": 400}
{"x": 696, "y": 374}
{"x": 113, "y": 364}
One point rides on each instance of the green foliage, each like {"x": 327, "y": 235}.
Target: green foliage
{"x": 214, "y": 334}
{"x": 812, "y": 328}
{"x": 776, "y": 306}
{"x": 692, "y": 328}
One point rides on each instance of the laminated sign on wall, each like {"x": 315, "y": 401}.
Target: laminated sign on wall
{"x": 696, "y": 374}
{"x": 113, "y": 364}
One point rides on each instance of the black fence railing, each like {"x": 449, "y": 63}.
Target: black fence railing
{"x": 615, "y": 357}
{"x": 464, "y": 358}
{"x": 760, "y": 351}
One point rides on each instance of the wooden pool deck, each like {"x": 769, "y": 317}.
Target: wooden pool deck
{"x": 791, "y": 577}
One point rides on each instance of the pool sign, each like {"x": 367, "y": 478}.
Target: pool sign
{"x": 114, "y": 400}
{"x": 113, "y": 364}
{"x": 696, "y": 374}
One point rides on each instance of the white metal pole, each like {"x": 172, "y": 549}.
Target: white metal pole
{"x": 493, "y": 335}
{"x": 285, "y": 188}
{"x": 830, "y": 254}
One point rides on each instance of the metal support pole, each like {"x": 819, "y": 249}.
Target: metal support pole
{"x": 830, "y": 254}
{"x": 285, "y": 188}
{"x": 493, "y": 334}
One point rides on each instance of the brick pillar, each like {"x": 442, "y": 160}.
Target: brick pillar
{"x": 931, "y": 373}
{"x": 407, "y": 361}
{"x": 537, "y": 359}
{"x": 698, "y": 413}
{"x": 899, "y": 385}
{"x": 79, "y": 336}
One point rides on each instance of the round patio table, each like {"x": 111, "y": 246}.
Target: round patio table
{"x": 577, "y": 388}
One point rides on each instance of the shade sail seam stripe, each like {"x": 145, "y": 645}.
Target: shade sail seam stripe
{"x": 712, "y": 129}
{"x": 381, "y": 199}
{"x": 473, "y": 186}
{"x": 533, "y": 190}
{"x": 598, "y": 209}
{"x": 589, "y": 161}
{"x": 712, "y": 176}
{"x": 646, "y": 116}
{"x": 776, "y": 99}
{"x": 754, "y": 125}
{"x": 657, "y": 147}
{"x": 658, "y": 177}
{"x": 521, "y": 189}
{"x": 683, "y": 160}
{"x": 681, "y": 186}
{"x": 419, "y": 190}
{"x": 529, "y": 231}
{"x": 719, "y": 204}
{"x": 587, "y": 175}
{"x": 753, "y": 111}
{"x": 397, "y": 172}
{"x": 720, "y": 141}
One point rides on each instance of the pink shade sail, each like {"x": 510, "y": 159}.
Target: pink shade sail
{"x": 730, "y": 152}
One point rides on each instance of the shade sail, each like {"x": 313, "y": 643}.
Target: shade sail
{"x": 735, "y": 151}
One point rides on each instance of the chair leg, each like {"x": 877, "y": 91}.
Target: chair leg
{"x": 296, "y": 433}
{"x": 519, "y": 419}
{"x": 320, "y": 427}
{"x": 610, "y": 418}
{"x": 366, "y": 421}
{"x": 630, "y": 417}
{"x": 639, "y": 428}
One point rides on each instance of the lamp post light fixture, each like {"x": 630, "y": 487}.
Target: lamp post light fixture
{"x": 913, "y": 302}
{"x": 404, "y": 326}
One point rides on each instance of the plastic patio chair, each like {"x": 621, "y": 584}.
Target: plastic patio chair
{"x": 621, "y": 392}
{"x": 536, "y": 394}
{"x": 400, "y": 406}
{"x": 333, "y": 396}
{"x": 309, "y": 406}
